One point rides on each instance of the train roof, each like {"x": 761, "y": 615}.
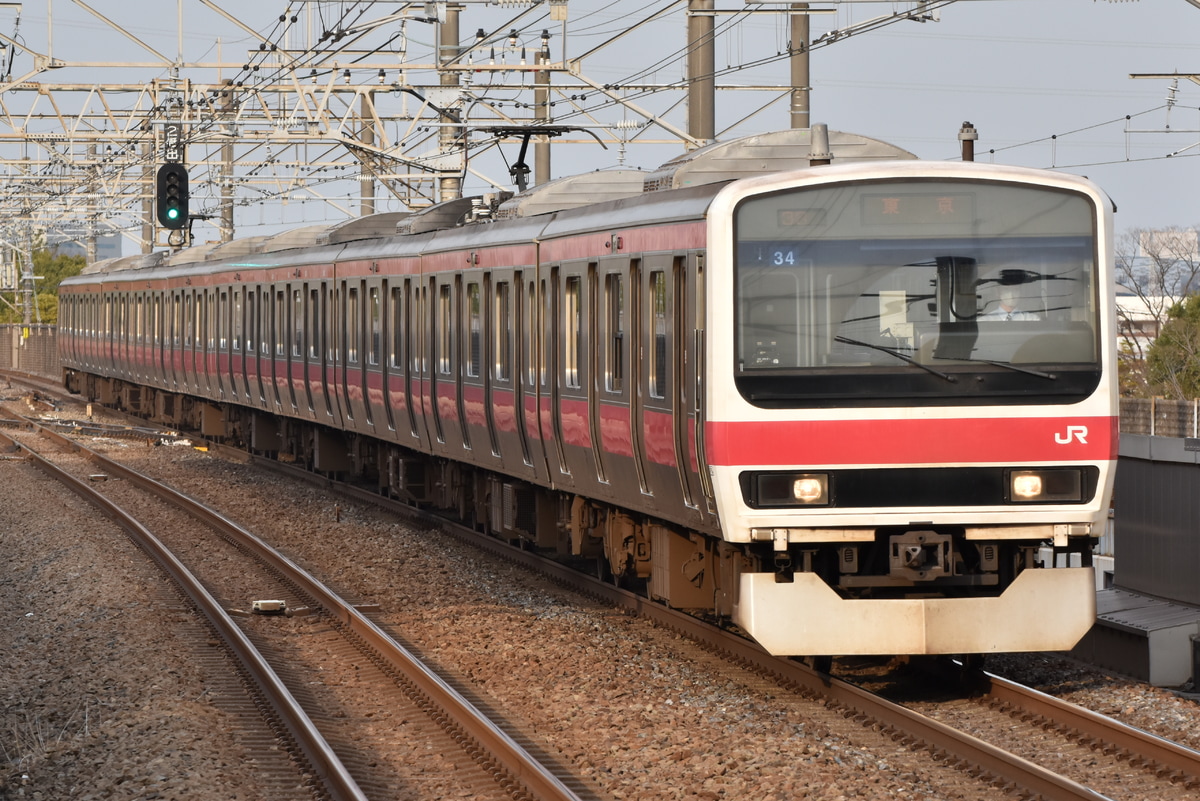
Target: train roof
{"x": 760, "y": 154}
{"x": 572, "y": 192}
{"x": 681, "y": 189}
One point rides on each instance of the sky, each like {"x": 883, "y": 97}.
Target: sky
{"x": 1046, "y": 83}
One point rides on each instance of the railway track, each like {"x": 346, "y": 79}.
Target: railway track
{"x": 1090, "y": 759}
{"x": 1123, "y": 762}
{"x": 499, "y": 761}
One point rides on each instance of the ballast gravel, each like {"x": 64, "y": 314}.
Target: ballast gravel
{"x": 101, "y": 697}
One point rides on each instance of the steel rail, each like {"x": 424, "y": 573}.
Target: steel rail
{"x": 512, "y": 758}
{"x": 326, "y": 765}
{"x": 1140, "y": 744}
{"x": 1004, "y": 767}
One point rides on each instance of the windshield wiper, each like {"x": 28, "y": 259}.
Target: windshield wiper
{"x": 1006, "y": 365}
{"x": 900, "y": 356}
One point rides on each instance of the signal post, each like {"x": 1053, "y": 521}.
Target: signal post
{"x": 171, "y": 187}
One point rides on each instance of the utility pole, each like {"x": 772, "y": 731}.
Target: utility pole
{"x": 226, "y": 176}
{"x": 451, "y": 137}
{"x": 701, "y": 71}
{"x": 366, "y": 135}
{"x": 799, "y": 62}
{"x": 541, "y": 104}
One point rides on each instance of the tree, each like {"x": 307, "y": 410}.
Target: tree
{"x": 1173, "y": 361}
{"x": 51, "y": 269}
{"x": 1156, "y": 271}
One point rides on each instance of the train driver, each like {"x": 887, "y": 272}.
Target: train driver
{"x": 1008, "y": 307}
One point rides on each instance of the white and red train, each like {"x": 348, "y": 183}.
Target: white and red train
{"x": 849, "y": 407}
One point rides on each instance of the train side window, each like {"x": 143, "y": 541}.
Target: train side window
{"x": 658, "y": 331}
{"x": 444, "y": 320}
{"x": 614, "y": 304}
{"x": 503, "y": 337}
{"x": 572, "y": 331}
{"x": 376, "y": 312}
{"x": 475, "y": 343}
{"x": 396, "y": 357}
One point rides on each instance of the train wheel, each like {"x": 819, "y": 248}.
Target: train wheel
{"x": 821, "y": 664}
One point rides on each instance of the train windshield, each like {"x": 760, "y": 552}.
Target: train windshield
{"x": 921, "y": 291}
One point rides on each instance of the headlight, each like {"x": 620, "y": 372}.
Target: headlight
{"x": 810, "y": 489}
{"x": 790, "y": 489}
{"x": 1061, "y": 484}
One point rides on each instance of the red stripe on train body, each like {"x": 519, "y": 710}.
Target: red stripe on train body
{"x": 1011, "y": 440}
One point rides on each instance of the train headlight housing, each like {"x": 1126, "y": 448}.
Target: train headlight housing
{"x": 1051, "y": 485}
{"x": 773, "y": 490}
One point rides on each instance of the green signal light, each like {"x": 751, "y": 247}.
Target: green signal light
{"x": 173, "y": 214}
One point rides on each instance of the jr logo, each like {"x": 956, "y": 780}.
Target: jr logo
{"x": 1073, "y": 432}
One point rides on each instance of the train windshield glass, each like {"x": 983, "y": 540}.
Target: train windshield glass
{"x": 946, "y": 291}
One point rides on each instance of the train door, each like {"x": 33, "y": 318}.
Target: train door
{"x": 699, "y": 385}
{"x": 207, "y": 365}
{"x": 438, "y": 300}
{"x": 550, "y": 380}
{"x": 134, "y": 364}
{"x": 330, "y": 347}
{"x": 688, "y": 370}
{"x": 678, "y": 384}
{"x": 315, "y": 392}
{"x": 237, "y": 342}
{"x": 662, "y": 460}
{"x": 277, "y": 348}
{"x": 204, "y": 344}
{"x": 119, "y": 333}
{"x": 413, "y": 356}
{"x": 467, "y": 377}
{"x": 125, "y": 335}
{"x": 519, "y": 347}
{"x": 107, "y": 351}
{"x": 374, "y": 375}
{"x": 500, "y": 397}
{"x": 534, "y": 326}
{"x": 589, "y": 356}
{"x": 172, "y": 338}
{"x": 294, "y": 355}
{"x": 392, "y": 359}
{"x": 255, "y": 311}
{"x": 349, "y": 374}
{"x": 224, "y": 367}
{"x": 188, "y": 353}
{"x": 616, "y": 327}
{"x": 637, "y": 325}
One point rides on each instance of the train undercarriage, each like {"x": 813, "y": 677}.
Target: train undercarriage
{"x": 771, "y": 589}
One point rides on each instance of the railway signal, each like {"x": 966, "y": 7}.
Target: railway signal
{"x": 172, "y": 196}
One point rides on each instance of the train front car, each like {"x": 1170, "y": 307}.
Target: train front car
{"x": 911, "y": 407}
